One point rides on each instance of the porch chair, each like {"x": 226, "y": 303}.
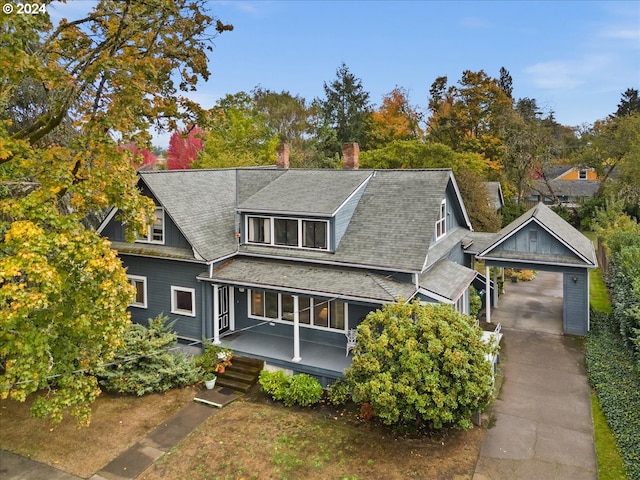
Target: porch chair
{"x": 351, "y": 340}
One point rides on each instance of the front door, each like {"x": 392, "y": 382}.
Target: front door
{"x": 223, "y": 307}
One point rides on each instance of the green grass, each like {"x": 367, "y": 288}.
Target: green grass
{"x": 610, "y": 464}
{"x": 598, "y": 294}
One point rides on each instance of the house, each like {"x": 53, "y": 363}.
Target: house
{"x": 495, "y": 196}
{"x": 279, "y": 264}
{"x": 565, "y": 186}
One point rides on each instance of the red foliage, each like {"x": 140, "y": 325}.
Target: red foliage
{"x": 148, "y": 158}
{"x": 184, "y": 148}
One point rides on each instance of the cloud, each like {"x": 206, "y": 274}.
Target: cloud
{"x": 566, "y": 74}
{"x": 622, "y": 33}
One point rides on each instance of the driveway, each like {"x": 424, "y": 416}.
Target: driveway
{"x": 541, "y": 426}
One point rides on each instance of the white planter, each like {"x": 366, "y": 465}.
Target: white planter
{"x": 210, "y": 384}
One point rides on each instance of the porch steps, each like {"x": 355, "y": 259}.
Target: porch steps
{"x": 242, "y": 374}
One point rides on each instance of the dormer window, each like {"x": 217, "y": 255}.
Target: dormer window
{"x": 441, "y": 224}
{"x": 155, "y": 231}
{"x": 582, "y": 174}
{"x": 259, "y": 230}
{"x": 288, "y": 232}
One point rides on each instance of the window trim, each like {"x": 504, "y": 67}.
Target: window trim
{"x": 312, "y": 306}
{"x": 178, "y": 311}
{"x": 583, "y": 174}
{"x": 143, "y": 280}
{"x": 300, "y": 229}
{"x": 248, "y": 229}
{"x": 441, "y": 222}
{"x": 149, "y": 237}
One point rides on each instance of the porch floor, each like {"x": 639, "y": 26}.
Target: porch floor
{"x": 280, "y": 349}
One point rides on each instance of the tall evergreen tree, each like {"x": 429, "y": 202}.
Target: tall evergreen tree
{"x": 346, "y": 108}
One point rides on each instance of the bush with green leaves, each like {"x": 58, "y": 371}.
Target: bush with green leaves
{"x": 301, "y": 389}
{"x": 421, "y": 365}
{"x": 274, "y": 383}
{"x": 475, "y": 302}
{"x": 616, "y": 380}
{"x": 339, "y": 392}
{"x": 144, "y": 364}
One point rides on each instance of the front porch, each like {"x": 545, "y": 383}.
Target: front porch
{"x": 325, "y": 362}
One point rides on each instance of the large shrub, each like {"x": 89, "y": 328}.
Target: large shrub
{"x": 301, "y": 389}
{"x": 616, "y": 380}
{"x": 421, "y": 364}
{"x": 144, "y": 364}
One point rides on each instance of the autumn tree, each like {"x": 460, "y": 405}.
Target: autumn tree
{"x": 346, "y": 109}
{"x": 396, "y": 119}
{"x": 238, "y": 135}
{"x": 108, "y": 76}
{"x": 294, "y": 122}
{"x": 184, "y": 147}
{"x": 468, "y": 116}
{"x": 421, "y": 365}
{"x": 140, "y": 156}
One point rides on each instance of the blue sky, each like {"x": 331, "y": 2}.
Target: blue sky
{"x": 574, "y": 57}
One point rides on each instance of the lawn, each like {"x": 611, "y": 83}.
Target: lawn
{"x": 252, "y": 438}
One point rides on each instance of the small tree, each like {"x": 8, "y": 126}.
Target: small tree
{"x": 421, "y": 364}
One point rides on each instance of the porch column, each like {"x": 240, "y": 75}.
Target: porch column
{"x": 296, "y": 330}
{"x": 495, "y": 283}
{"x": 216, "y": 315}
{"x": 487, "y": 301}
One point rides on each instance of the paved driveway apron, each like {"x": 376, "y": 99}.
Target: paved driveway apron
{"x": 542, "y": 427}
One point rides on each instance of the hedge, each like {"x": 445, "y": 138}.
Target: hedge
{"x": 616, "y": 380}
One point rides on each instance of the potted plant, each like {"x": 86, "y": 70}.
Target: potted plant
{"x": 213, "y": 360}
{"x": 209, "y": 380}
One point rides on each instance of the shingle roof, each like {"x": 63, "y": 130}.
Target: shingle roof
{"x": 447, "y": 279}
{"x": 494, "y": 191}
{"x": 202, "y": 205}
{"x": 305, "y": 192}
{"x": 391, "y": 227}
{"x": 556, "y": 226}
{"x": 308, "y": 279}
{"x": 570, "y": 188}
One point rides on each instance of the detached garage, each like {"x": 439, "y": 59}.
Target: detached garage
{"x": 541, "y": 240}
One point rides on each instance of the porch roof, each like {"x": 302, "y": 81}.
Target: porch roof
{"x": 447, "y": 279}
{"x": 306, "y": 279}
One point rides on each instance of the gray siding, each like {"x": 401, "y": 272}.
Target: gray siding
{"x": 172, "y": 236}
{"x": 161, "y": 275}
{"x": 343, "y": 216}
{"x": 455, "y": 218}
{"x": 533, "y": 239}
{"x": 576, "y": 302}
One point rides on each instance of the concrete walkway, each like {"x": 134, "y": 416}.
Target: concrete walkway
{"x": 543, "y": 426}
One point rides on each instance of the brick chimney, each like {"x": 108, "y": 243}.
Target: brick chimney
{"x": 350, "y": 156}
{"x": 283, "y": 155}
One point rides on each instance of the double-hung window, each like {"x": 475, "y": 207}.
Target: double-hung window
{"x": 286, "y": 231}
{"x": 314, "y": 234}
{"x": 140, "y": 284}
{"x": 259, "y": 229}
{"x": 441, "y": 224}
{"x": 155, "y": 230}
{"x": 183, "y": 301}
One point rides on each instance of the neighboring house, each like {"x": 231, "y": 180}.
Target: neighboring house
{"x": 280, "y": 264}
{"x": 495, "y": 196}
{"x": 565, "y": 186}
